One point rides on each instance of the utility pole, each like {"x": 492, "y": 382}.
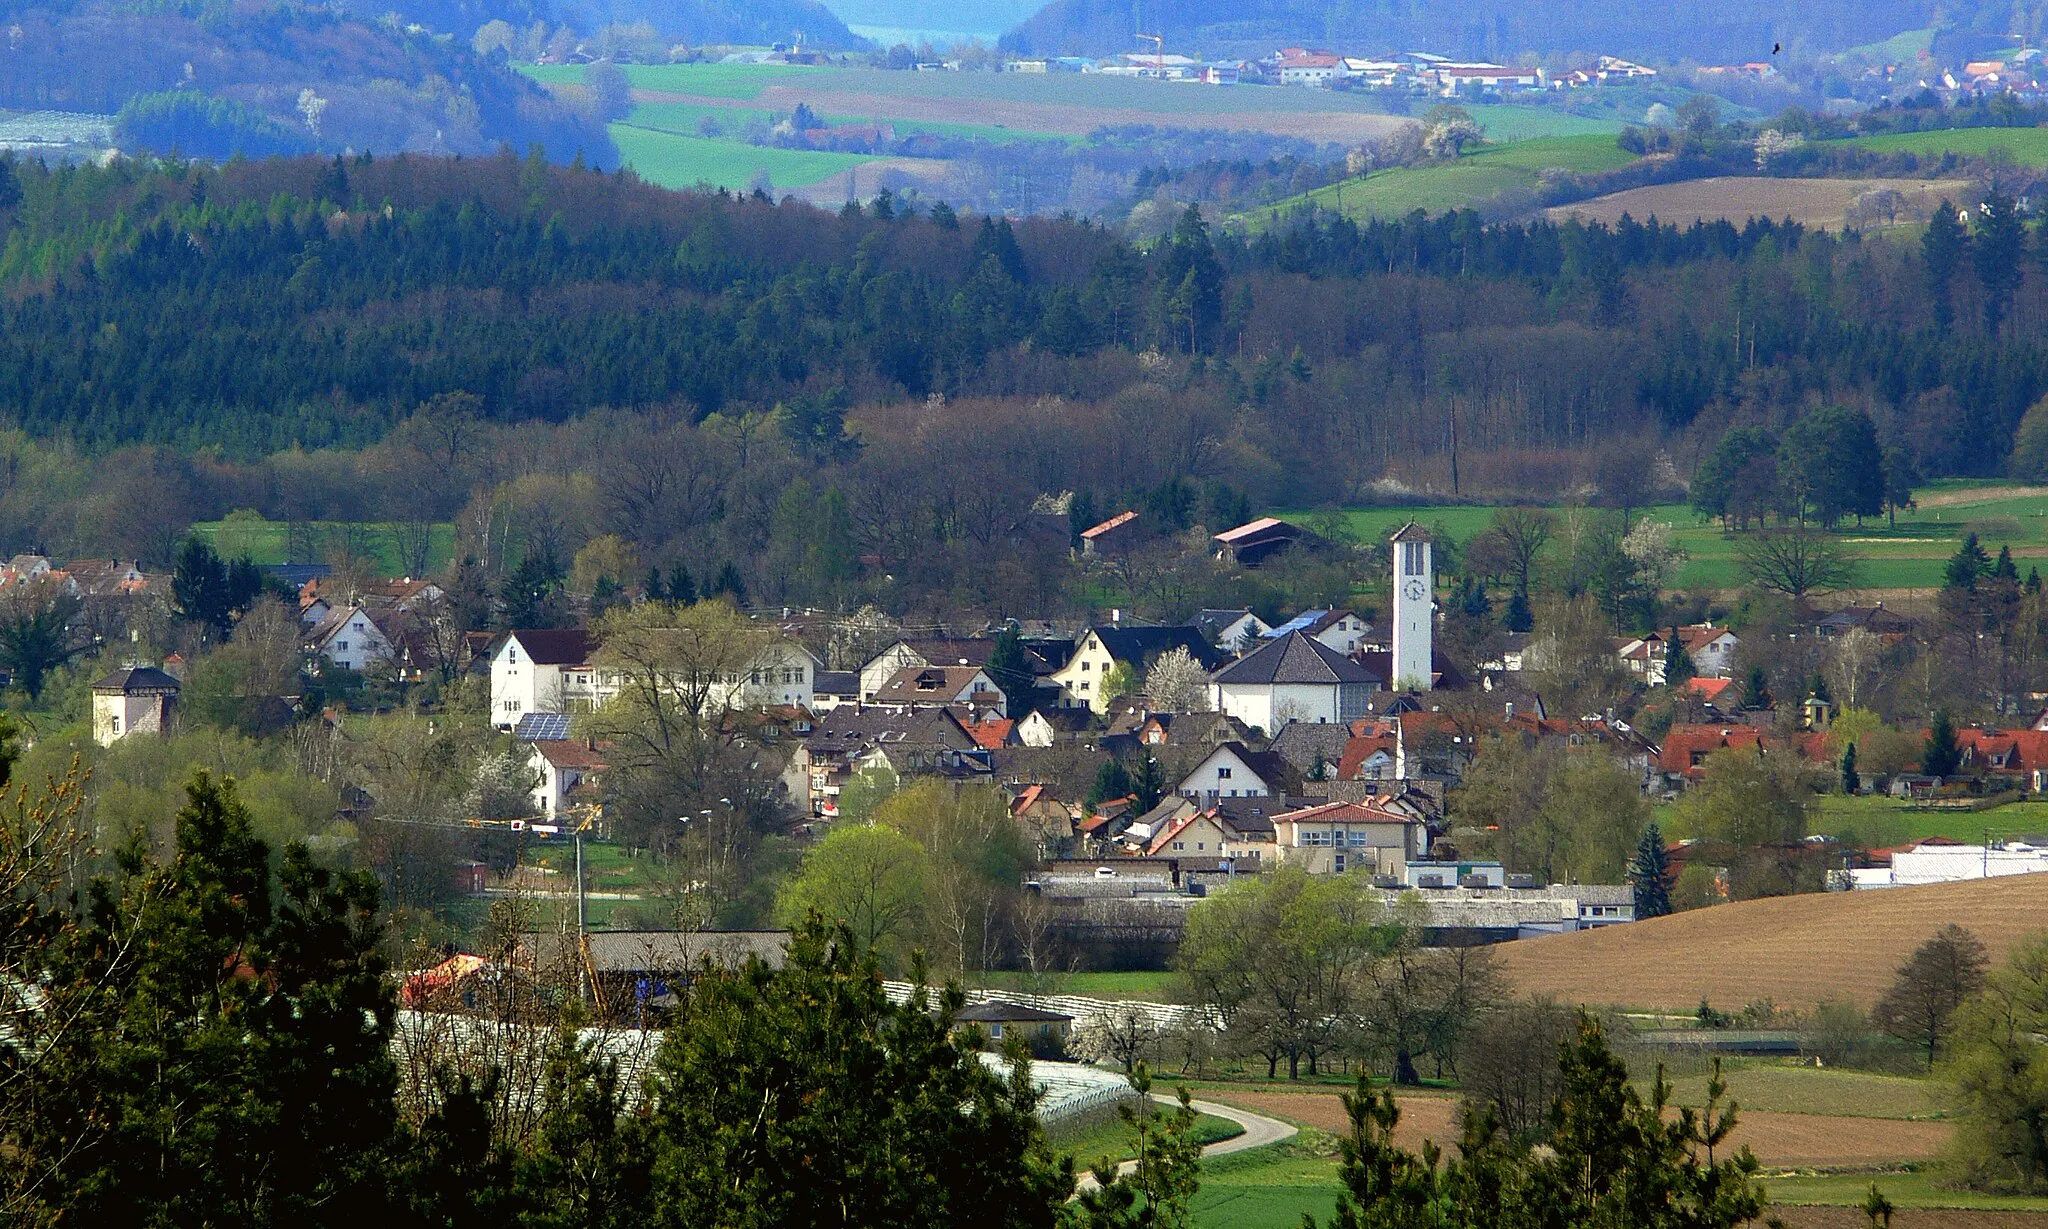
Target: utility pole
{"x": 582, "y": 927}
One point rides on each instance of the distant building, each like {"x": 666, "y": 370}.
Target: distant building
{"x": 137, "y": 700}
{"x": 1931, "y": 862}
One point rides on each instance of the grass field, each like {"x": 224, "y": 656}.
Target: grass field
{"x": 1910, "y": 556}
{"x": 1793, "y": 950}
{"x": 2028, "y": 146}
{"x": 1483, "y": 173}
{"x": 1876, "y": 823}
{"x": 1920, "y": 1189}
{"x": 1820, "y": 203}
{"x": 1777, "y": 1088}
{"x": 1155, "y": 987}
{"x": 673, "y": 160}
{"x": 1113, "y": 1139}
{"x": 266, "y": 542}
{"x": 1266, "y": 1188}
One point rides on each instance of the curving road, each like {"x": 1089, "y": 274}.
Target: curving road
{"x": 1259, "y": 1131}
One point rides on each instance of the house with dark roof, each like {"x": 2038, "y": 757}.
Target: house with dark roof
{"x": 1233, "y": 630}
{"x": 1100, "y": 650}
{"x": 846, "y": 741}
{"x": 1044, "y": 1031}
{"x": 568, "y": 770}
{"x": 1874, "y": 619}
{"x": 1234, "y": 770}
{"x": 1315, "y": 749}
{"x": 132, "y": 700}
{"x": 542, "y": 670}
{"x": 1294, "y": 678}
{"x": 942, "y": 687}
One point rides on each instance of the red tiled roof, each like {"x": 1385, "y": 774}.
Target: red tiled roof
{"x": 1360, "y": 749}
{"x": 1708, "y": 689}
{"x": 1120, "y": 519}
{"x": 993, "y": 734}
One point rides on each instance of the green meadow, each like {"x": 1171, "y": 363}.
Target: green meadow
{"x": 2028, "y": 146}
{"x": 1485, "y": 172}
{"x": 1908, "y": 556}
{"x": 673, "y": 160}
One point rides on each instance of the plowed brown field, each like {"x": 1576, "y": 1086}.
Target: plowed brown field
{"x": 1814, "y": 202}
{"x": 1793, "y": 950}
{"x": 1788, "y": 1140}
{"x": 1909, "y": 1218}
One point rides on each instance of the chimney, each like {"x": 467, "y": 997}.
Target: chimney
{"x": 1511, "y": 710}
{"x": 1116, "y": 616}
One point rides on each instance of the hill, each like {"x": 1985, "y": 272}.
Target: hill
{"x": 1496, "y": 29}
{"x": 1480, "y": 176}
{"x": 278, "y": 78}
{"x": 1794, "y": 950}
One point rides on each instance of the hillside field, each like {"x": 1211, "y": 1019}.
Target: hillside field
{"x": 2028, "y": 146}
{"x": 1894, "y": 560}
{"x": 1486, "y": 172}
{"x": 1794, "y": 950}
{"x": 1819, "y": 203}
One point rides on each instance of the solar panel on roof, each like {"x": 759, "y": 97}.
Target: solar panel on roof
{"x": 542, "y": 727}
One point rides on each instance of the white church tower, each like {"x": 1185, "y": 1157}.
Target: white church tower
{"x": 1414, "y": 608}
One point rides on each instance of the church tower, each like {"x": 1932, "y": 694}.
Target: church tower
{"x": 1414, "y": 608}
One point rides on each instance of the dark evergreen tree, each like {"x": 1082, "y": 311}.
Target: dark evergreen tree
{"x": 729, "y": 584}
{"x": 225, "y": 1057}
{"x": 1518, "y": 617}
{"x": 1649, "y": 874}
{"x": 1009, "y": 667}
{"x": 1150, "y": 784}
{"x": 1967, "y": 566}
{"x": 682, "y": 588}
{"x": 1942, "y": 247}
{"x": 1678, "y": 665}
{"x": 529, "y": 596}
{"x": 1852, "y": 781}
{"x": 1112, "y": 781}
{"x": 1941, "y": 757}
{"x": 654, "y": 588}
{"x": 1756, "y": 689}
{"x": 2005, "y": 568}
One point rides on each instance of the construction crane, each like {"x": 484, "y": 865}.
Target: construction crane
{"x": 1158, "y": 42}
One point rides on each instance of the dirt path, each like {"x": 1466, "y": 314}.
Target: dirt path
{"x": 1778, "y": 1139}
{"x": 1259, "y": 1131}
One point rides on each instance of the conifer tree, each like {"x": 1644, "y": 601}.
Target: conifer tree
{"x": 1678, "y": 665}
{"x": 1942, "y": 757}
{"x": 1851, "y": 782}
{"x": 1649, "y": 873}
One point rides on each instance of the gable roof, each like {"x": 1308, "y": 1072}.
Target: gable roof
{"x": 1302, "y": 743}
{"x": 555, "y": 646}
{"x": 1109, "y": 526}
{"x": 1296, "y": 658}
{"x": 1345, "y": 813}
{"x": 930, "y": 684}
{"x": 135, "y": 680}
{"x": 568, "y": 753}
{"x": 1411, "y": 532}
{"x": 846, "y": 731}
{"x": 1139, "y": 645}
{"x": 1268, "y": 767}
{"x": 1007, "y": 1013}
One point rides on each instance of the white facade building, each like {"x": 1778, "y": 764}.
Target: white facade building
{"x": 1924, "y": 864}
{"x": 1414, "y": 609}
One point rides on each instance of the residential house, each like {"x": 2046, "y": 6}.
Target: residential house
{"x": 1319, "y": 69}
{"x": 1047, "y": 726}
{"x": 1686, "y": 747}
{"x": 1101, "y": 649}
{"x": 1874, "y": 619}
{"x": 1253, "y": 543}
{"x": 930, "y": 651}
{"x": 1044, "y": 1031}
{"x": 349, "y": 637}
{"x": 1046, "y": 822}
{"x": 1136, "y": 724}
{"x": 1460, "y": 78}
{"x": 1294, "y": 678}
{"x": 1234, "y": 770}
{"x": 832, "y": 688}
{"x": 549, "y": 670}
{"x": 134, "y": 700}
{"x": 1336, "y": 837}
{"x": 568, "y": 769}
{"x": 1644, "y": 657}
{"x": 942, "y": 687}
{"x": 846, "y": 741}
{"x": 542, "y": 670}
{"x": 1233, "y": 631}
{"x": 1712, "y": 649}
{"x": 405, "y": 593}
{"x": 1337, "y": 629}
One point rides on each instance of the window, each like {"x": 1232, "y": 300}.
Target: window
{"x": 995, "y": 1030}
{"x": 342, "y": 645}
{"x": 1084, "y": 667}
{"x": 117, "y": 725}
{"x": 1223, "y": 774}
{"x": 1339, "y": 864}
{"x": 1180, "y": 845}
{"x": 1084, "y": 684}
{"x": 1411, "y": 558}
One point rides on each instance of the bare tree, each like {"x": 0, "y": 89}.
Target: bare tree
{"x": 1798, "y": 563}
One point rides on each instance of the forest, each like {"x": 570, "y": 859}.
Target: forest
{"x": 255, "y": 307}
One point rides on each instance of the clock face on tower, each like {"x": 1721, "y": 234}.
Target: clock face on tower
{"x": 1415, "y": 588}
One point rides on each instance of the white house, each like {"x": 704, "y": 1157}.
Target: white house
{"x": 1712, "y": 649}
{"x": 135, "y": 700}
{"x": 548, "y": 670}
{"x": 350, "y": 638}
{"x": 1294, "y": 678}
{"x": 542, "y": 670}
{"x": 1234, "y": 771}
{"x": 1929, "y": 863}
{"x": 562, "y": 765}
{"x": 1233, "y": 630}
